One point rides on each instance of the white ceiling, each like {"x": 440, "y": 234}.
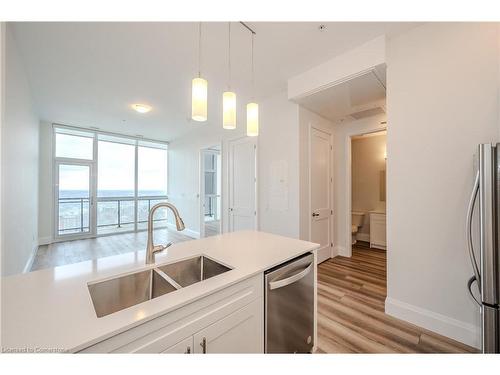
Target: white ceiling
{"x": 88, "y": 74}
{"x": 354, "y": 97}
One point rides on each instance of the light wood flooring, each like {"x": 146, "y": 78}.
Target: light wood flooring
{"x": 68, "y": 252}
{"x": 351, "y": 317}
{"x": 212, "y": 228}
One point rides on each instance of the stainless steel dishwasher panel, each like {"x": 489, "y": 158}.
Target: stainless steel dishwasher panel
{"x": 289, "y": 298}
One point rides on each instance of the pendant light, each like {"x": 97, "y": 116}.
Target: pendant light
{"x": 199, "y": 93}
{"x": 253, "y": 108}
{"x": 229, "y": 97}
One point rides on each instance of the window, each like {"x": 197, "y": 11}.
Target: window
{"x": 152, "y": 181}
{"x": 127, "y": 179}
{"x": 74, "y": 198}
{"x": 152, "y": 170}
{"x": 115, "y": 183}
{"x": 74, "y": 144}
{"x": 116, "y": 163}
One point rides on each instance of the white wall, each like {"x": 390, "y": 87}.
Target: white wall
{"x": 342, "y": 172}
{"x": 334, "y": 71}
{"x": 19, "y": 166}
{"x": 442, "y": 96}
{"x": 277, "y": 141}
{"x": 367, "y": 161}
{"x": 46, "y": 195}
{"x": 184, "y": 173}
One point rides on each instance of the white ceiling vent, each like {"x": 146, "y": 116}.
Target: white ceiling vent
{"x": 367, "y": 113}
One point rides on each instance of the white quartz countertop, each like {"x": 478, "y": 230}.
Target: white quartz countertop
{"x": 51, "y": 309}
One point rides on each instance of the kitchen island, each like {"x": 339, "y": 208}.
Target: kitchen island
{"x": 51, "y": 310}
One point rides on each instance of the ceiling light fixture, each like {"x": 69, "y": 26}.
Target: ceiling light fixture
{"x": 229, "y": 97}
{"x": 199, "y": 92}
{"x": 252, "y": 108}
{"x": 141, "y": 108}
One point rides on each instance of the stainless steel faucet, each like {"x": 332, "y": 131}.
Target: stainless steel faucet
{"x": 151, "y": 248}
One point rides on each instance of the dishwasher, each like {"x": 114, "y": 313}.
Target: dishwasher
{"x": 289, "y": 306}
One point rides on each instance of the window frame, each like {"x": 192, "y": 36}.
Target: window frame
{"x": 94, "y": 167}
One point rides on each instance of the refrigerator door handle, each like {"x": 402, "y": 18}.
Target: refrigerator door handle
{"x": 469, "y": 287}
{"x": 470, "y": 245}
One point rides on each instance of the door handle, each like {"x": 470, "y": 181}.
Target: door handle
{"x": 203, "y": 345}
{"x": 290, "y": 280}
{"x": 468, "y": 229}
{"x": 315, "y": 214}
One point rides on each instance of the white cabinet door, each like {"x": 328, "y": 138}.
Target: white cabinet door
{"x": 378, "y": 231}
{"x": 182, "y": 347}
{"x": 240, "y": 332}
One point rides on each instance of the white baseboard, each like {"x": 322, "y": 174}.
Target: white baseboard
{"x": 444, "y": 325}
{"x": 187, "y": 231}
{"x": 31, "y": 259}
{"x": 340, "y": 250}
{"x": 363, "y": 237}
{"x": 45, "y": 241}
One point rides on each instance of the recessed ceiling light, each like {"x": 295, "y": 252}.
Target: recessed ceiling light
{"x": 141, "y": 108}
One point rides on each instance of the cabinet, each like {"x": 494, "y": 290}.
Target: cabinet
{"x": 182, "y": 347}
{"x": 378, "y": 230}
{"x": 233, "y": 334}
{"x": 231, "y": 321}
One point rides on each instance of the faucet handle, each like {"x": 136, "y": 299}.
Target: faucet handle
{"x": 158, "y": 248}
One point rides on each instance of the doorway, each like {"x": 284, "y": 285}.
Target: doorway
{"x": 210, "y": 191}
{"x": 321, "y": 191}
{"x": 366, "y": 187}
{"x": 242, "y": 184}
{"x": 74, "y": 199}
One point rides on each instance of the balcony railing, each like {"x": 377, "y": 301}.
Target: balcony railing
{"x": 212, "y": 204}
{"x": 119, "y": 213}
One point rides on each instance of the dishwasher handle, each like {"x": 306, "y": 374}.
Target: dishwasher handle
{"x": 290, "y": 280}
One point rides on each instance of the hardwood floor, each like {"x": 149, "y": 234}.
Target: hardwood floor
{"x": 68, "y": 252}
{"x": 212, "y": 228}
{"x": 351, "y": 318}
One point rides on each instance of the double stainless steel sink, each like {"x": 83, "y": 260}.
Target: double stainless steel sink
{"x": 116, "y": 294}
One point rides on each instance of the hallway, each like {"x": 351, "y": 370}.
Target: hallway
{"x": 351, "y": 317}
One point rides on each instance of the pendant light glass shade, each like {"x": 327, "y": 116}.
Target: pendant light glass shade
{"x": 252, "y": 119}
{"x": 199, "y": 100}
{"x": 229, "y": 110}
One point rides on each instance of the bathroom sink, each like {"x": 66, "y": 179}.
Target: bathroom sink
{"x": 193, "y": 270}
{"x": 116, "y": 294}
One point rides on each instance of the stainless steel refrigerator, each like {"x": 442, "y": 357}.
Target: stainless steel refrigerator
{"x": 486, "y": 259}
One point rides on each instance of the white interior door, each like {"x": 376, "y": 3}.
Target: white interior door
{"x": 321, "y": 192}
{"x": 242, "y": 184}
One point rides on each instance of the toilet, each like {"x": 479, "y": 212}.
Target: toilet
{"x": 356, "y": 223}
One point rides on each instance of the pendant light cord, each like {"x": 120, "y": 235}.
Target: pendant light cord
{"x": 199, "y": 50}
{"x": 229, "y": 56}
{"x": 253, "y": 71}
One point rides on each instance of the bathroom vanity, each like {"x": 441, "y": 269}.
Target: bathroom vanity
{"x": 200, "y": 296}
{"x": 378, "y": 230}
